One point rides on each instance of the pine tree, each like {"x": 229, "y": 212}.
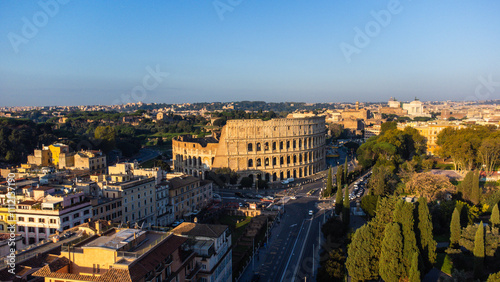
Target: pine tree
{"x": 479, "y": 251}
{"x": 475, "y": 195}
{"x": 361, "y": 263}
{"x": 391, "y": 266}
{"x": 346, "y": 212}
{"x": 414, "y": 275}
{"x": 427, "y": 243}
{"x": 455, "y": 229}
{"x": 495, "y": 216}
{"x": 338, "y": 200}
{"x": 329, "y": 184}
{"x": 403, "y": 214}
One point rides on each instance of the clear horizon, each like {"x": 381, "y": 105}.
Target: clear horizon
{"x": 72, "y": 53}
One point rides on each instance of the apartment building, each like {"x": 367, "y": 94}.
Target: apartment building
{"x": 188, "y": 195}
{"x": 164, "y": 210}
{"x": 109, "y": 209}
{"x": 430, "y": 131}
{"x": 212, "y": 245}
{"x": 38, "y": 219}
{"x": 90, "y": 160}
{"x": 138, "y": 199}
{"x": 125, "y": 255}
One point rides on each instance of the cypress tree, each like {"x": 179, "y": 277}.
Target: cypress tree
{"x": 455, "y": 229}
{"x": 361, "y": 263}
{"x": 391, "y": 266}
{"x": 384, "y": 215}
{"x": 329, "y": 184}
{"x": 338, "y": 200}
{"x": 479, "y": 251}
{"x": 346, "y": 170}
{"x": 465, "y": 186}
{"x": 414, "y": 275}
{"x": 475, "y": 195}
{"x": 340, "y": 175}
{"x": 403, "y": 214}
{"x": 427, "y": 243}
{"x": 346, "y": 212}
{"x": 495, "y": 216}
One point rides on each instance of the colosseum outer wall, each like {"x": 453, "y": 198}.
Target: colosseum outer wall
{"x": 272, "y": 150}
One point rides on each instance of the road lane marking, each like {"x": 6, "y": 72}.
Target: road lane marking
{"x": 286, "y": 266}
{"x": 302, "y": 250}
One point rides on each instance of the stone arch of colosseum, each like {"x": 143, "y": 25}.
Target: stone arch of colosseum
{"x": 272, "y": 150}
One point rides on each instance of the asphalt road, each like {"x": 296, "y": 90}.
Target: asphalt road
{"x": 291, "y": 248}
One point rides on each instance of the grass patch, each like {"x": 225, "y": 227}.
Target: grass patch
{"x": 244, "y": 222}
{"x": 444, "y": 263}
{"x": 444, "y": 166}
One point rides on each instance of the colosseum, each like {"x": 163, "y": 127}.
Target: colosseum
{"x": 272, "y": 150}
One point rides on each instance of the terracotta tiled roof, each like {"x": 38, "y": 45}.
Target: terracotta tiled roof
{"x": 136, "y": 272}
{"x": 198, "y": 229}
{"x": 112, "y": 275}
{"x": 148, "y": 263}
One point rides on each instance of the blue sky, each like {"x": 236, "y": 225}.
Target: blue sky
{"x": 99, "y": 52}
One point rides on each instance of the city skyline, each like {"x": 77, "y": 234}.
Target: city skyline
{"x": 67, "y": 53}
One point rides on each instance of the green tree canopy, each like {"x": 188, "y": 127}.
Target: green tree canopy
{"x": 427, "y": 244}
{"x": 391, "y": 267}
{"x": 455, "y": 229}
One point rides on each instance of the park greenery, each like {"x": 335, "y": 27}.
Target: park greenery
{"x": 399, "y": 242}
{"x": 471, "y": 147}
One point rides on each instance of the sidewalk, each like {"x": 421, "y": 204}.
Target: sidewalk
{"x": 261, "y": 254}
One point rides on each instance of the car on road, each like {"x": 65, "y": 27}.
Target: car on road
{"x": 293, "y": 198}
{"x": 284, "y": 182}
{"x": 310, "y": 212}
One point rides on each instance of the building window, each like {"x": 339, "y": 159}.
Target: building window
{"x": 20, "y": 228}
{"x": 41, "y": 230}
{"x": 41, "y": 220}
{"x": 85, "y": 212}
{"x": 31, "y": 229}
{"x": 31, "y": 219}
{"x": 20, "y": 218}
{"x": 281, "y": 145}
{"x": 259, "y": 162}
{"x": 76, "y": 215}
{"x": 258, "y": 147}
{"x": 250, "y": 163}
{"x": 250, "y": 147}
